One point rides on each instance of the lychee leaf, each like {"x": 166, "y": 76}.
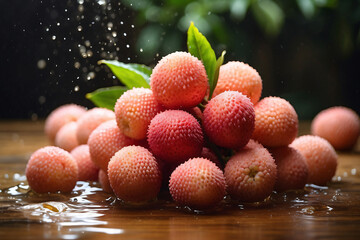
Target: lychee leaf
{"x": 199, "y": 47}
{"x": 106, "y": 97}
{"x": 219, "y": 62}
{"x": 130, "y": 74}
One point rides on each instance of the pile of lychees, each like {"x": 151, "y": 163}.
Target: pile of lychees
{"x": 201, "y": 148}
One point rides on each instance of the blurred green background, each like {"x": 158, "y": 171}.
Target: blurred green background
{"x": 306, "y": 51}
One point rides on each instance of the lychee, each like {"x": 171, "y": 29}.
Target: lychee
{"x": 179, "y": 80}
{"x": 276, "y": 122}
{"x": 66, "y": 137}
{"x": 239, "y": 76}
{"x": 105, "y": 141}
{"x": 250, "y": 174}
{"x": 51, "y": 169}
{"x": 198, "y": 183}
{"x": 292, "y": 170}
{"x": 209, "y": 154}
{"x": 61, "y": 116}
{"x": 338, "y": 125}
{"x": 174, "y": 136}
{"x": 320, "y": 157}
{"x": 134, "y": 174}
{"x": 228, "y": 119}
{"x": 90, "y": 120}
{"x": 87, "y": 170}
{"x": 134, "y": 111}
{"x": 104, "y": 181}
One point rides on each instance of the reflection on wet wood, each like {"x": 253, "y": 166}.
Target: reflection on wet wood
{"x": 331, "y": 212}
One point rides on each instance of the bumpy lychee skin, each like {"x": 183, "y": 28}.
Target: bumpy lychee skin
{"x": 174, "y": 136}
{"x": 134, "y": 111}
{"x": 239, "y": 76}
{"x": 105, "y": 141}
{"x": 87, "y": 170}
{"x": 292, "y": 170}
{"x": 276, "y": 122}
{"x": 250, "y": 174}
{"x": 91, "y": 120}
{"x": 104, "y": 181}
{"x": 134, "y": 174}
{"x": 228, "y": 119}
{"x": 66, "y": 137}
{"x": 61, "y": 116}
{"x": 51, "y": 169}
{"x": 320, "y": 156}
{"x": 339, "y": 125}
{"x": 209, "y": 154}
{"x": 179, "y": 80}
{"x": 198, "y": 183}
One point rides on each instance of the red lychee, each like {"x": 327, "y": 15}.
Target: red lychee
{"x": 91, "y": 120}
{"x": 134, "y": 111}
{"x": 338, "y": 125}
{"x": 105, "y": 141}
{"x": 276, "y": 122}
{"x": 197, "y": 183}
{"x": 51, "y": 169}
{"x": 228, "y": 119}
{"x": 320, "y": 157}
{"x": 87, "y": 170}
{"x": 104, "y": 181}
{"x": 250, "y": 174}
{"x": 175, "y": 136}
{"x": 179, "y": 80}
{"x": 61, "y": 116}
{"x": 292, "y": 170}
{"x": 134, "y": 174}
{"x": 239, "y": 76}
{"x": 66, "y": 137}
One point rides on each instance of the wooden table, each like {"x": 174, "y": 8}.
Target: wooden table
{"x": 331, "y": 212}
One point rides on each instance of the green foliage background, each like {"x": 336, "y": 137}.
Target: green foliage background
{"x": 306, "y": 51}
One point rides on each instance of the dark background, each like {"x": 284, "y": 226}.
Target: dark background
{"x": 50, "y": 49}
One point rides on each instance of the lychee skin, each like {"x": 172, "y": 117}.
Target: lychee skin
{"x": 134, "y": 174}
{"x": 209, "y": 154}
{"x": 105, "y": 141}
{"x": 179, "y": 80}
{"x": 320, "y": 156}
{"x": 66, "y": 137}
{"x": 87, "y": 170}
{"x": 276, "y": 122}
{"x": 228, "y": 119}
{"x": 197, "y": 183}
{"x": 51, "y": 169}
{"x": 91, "y": 120}
{"x": 292, "y": 170}
{"x": 174, "y": 136}
{"x": 104, "y": 181}
{"x": 338, "y": 125}
{"x": 61, "y": 116}
{"x": 250, "y": 174}
{"x": 239, "y": 76}
{"x": 134, "y": 111}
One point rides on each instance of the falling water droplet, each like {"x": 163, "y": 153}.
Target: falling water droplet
{"x": 76, "y": 88}
{"x": 114, "y": 34}
{"x": 41, "y": 64}
{"x": 79, "y": 28}
{"x": 91, "y": 75}
{"x": 53, "y": 37}
{"x": 109, "y": 26}
{"x": 141, "y": 50}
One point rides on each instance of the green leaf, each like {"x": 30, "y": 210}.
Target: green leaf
{"x": 131, "y": 74}
{"x": 106, "y": 97}
{"x": 307, "y": 8}
{"x": 199, "y": 47}
{"x": 219, "y": 62}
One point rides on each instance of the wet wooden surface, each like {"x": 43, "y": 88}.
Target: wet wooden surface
{"x": 331, "y": 212}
